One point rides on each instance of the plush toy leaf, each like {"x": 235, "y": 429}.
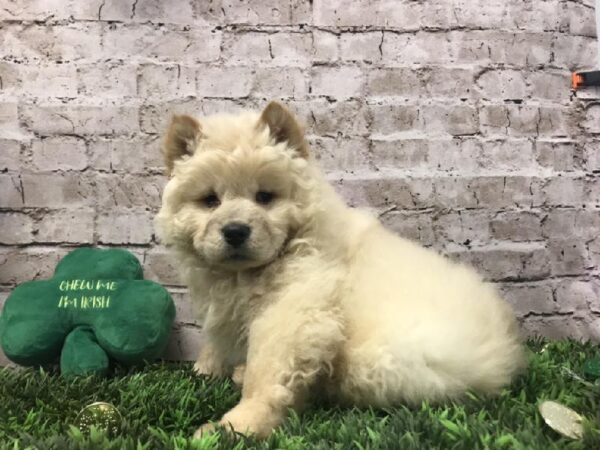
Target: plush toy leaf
{"x": 96, "y": 307}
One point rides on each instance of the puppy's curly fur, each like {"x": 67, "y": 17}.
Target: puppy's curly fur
{"x": 302, "y": 296}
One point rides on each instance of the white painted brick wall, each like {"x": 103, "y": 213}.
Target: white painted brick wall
{"x": 450, "y": 119}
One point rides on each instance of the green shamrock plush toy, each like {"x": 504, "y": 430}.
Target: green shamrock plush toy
{"x": 97, "y": 306}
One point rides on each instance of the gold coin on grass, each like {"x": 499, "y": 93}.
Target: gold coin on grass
{"x": 562, "y": 419}
{"x": 102, "y": 415}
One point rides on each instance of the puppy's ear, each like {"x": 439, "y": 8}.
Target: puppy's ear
{"x": 182, "y": 139}
{"x": 284, "y": 127}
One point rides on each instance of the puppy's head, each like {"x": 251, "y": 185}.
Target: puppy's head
{"x": 238, "y": 190}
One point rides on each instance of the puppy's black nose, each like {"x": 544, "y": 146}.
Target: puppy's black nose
{"x": 236, "y": 233}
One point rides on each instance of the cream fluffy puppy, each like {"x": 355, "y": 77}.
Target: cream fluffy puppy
{"x": 302, "y": 296}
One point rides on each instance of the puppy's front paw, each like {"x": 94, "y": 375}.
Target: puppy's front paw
{"x": 204, "y": 430}
{"x": 206, "y": 368}
{"x": 238, "y": 375}
{"x": 251, "y": 418}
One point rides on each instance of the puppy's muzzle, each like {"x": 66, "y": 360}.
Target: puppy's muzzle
{"x": 236, "y": 233}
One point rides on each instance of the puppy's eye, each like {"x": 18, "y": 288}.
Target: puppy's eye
{"x": 211, "y": 200}
{"x": 264, "y": 197}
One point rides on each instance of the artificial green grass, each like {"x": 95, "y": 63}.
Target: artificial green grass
{"x": 163, "y": 404}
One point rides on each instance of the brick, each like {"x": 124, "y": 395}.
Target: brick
{"x": 593, "y": 328}
{"x": 517, "y": 226}
{"x": 16, "y": 228}
{"x": 62, "y": 153}
{"x": 178, "y": 11}
{"x": 121, "y": 226}
{"x": 394, "y": 82}
{"x": 524, "y": 49}
{"x": 501, "y": 84}
{"x": 70, "y": 42}
{"x": 391, "y": 119}
{"x": 454, "y": 120}
{"x": 592, "y": 119}
{"x": 575, "y": 52}
{"x": 243, "y": 47}
{"x": 544, "y": 15}
{"x": 523, "y": 120}
{"x": 18, "y": 265}
{"x": 51, "y": 119}
{"x": 463, "y": 227}
{"x": 592, "y": 190}
{"x": 581, "y": 19}
{"x": 52, "y": 190}
{"x": 73, "y": 226}
{"x": 11, "y": 77}
{"x": 185, "y": 342}
{"x": 11, "y": 191}
{"x": 49, "y": 80}
{"x": 160, "y": 266}
{"x": 454, "y": 192}
{"x": 528, "y": 298}
{"x": 549, "y": 86}
{"x": 591, "y": 155}
{"x": 266, "y": 12}
{"x": 582, "y": 223}
{"x": 417, "y": 227}
{"x": 431, "y": 154}
{"x": 481, "y": 13}
{"x": 341, "y": 154}
{"x": 494, "y": 120}
{"x": 138, "y": 155}
{"x": 564, "y": 191}
{"x": 223, "y": 81}
{"x": 526, "y": 121}
{"x": 184, "y": 309}
{"x": 556, "y": 155}
{"x": 567, "y": 256}
{"x": 9, "y": 121}
{"x": 578, "y": 297}
{"x": 510, "y": 154}
{"x": 137, "y": 42}
{"x": 593, "y": 248}
{"x": 337, "y": 82}
{"x": 155, "y": 117}
{"x": 366, "y": 13}
{"x": 422, "y": 47}
{"x": 107, "y": 80}
{"x": 280, "y": 83}
{"x": 557, "y": 121}
{"x": 361, "y": 46}
{"x": 387, "y": 192}
{"x": 400, "y": 154}
{"x": 498, "y": 192}
{"x": 10, "y": 155}
{"x": 288, "y": 49}
{"x": 166, "y": 81}
{"x": 325, "y": 46}
{"x": 519, "y": 49}
{"x": 449, "y": 82}
{"x": 349, "y": 118}
{"x": 128, "y": 191}
{"x": 457, "y": 154}
{"x": 41, "y": 10}
{"x": 559, "y": 327}
{"x": 114, "y": 10}
{"x": 514, "y": 261}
